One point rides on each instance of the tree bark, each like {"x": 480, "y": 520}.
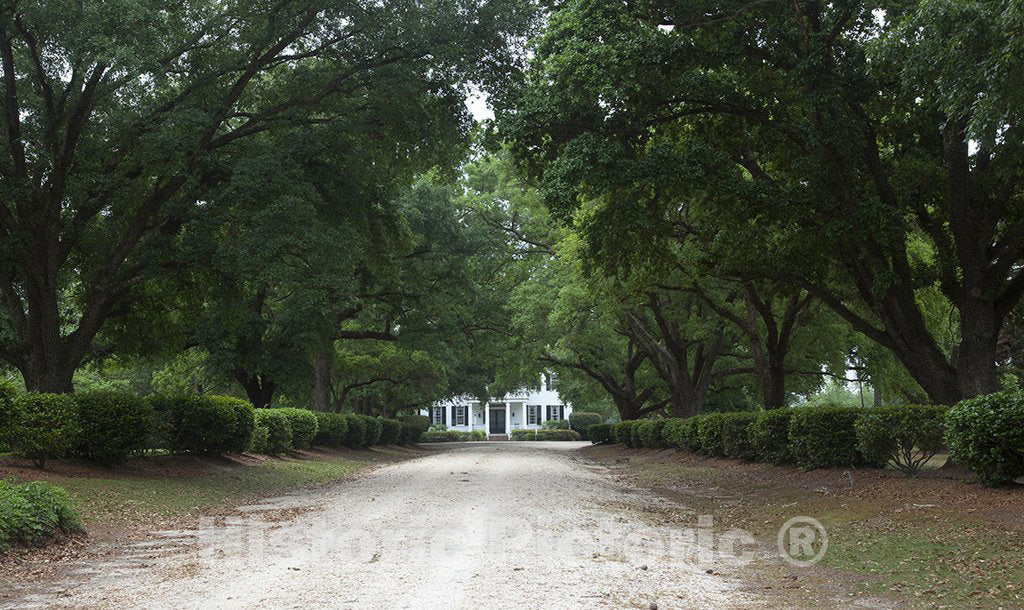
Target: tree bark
{"x": 322, "y": 367}
{"x": 258, "y": 388}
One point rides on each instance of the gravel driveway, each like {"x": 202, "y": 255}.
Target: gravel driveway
{"x": 475, "y": 525}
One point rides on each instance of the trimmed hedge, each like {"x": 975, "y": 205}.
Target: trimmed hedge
{"x": 601, "y": 434}
{"x": 736, "y": 437}
{"x": 374, "y": 429}
{"x": 448, "y": 436}
{"x": 356, "y": 431}
{"x": 45, "y": 426}
{"x": 545, "y": 435}
{"x": 7, "y": 394}
{"x": 33, "y": 512}
{"x": 709, "y": 434}
{"x": 624, "y": 432}
{"x": 649, "y": 434}
{"x": 556, "y": 424}
{"x": 304, "y": 426}
{"x": 200, "y": 424}
{"x": 113, "y": 425}
{"x": 581, "y": 421}
{"x": 413, "y": 427}
{"x": 986, "y": 435}
{"x": 391, "y": 431}
{"x": 769, "y": 436}
{"x": 331, "y": 429}
{"x": 274, "y": 432}
{"x": 908, "y": 436}
{"x": 240, "y": 437}
{"x": 826, "y": 437}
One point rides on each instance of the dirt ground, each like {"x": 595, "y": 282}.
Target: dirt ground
{"x": 936, "y": 541}
{"x": 494, "y": 525}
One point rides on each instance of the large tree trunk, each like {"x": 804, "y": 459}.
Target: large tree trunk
{"x": 258, "y": 388}
{"x": 322, "y": 366}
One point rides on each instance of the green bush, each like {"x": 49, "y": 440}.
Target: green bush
{"x": 240, "y": 438}
{"x": 197, "y": 424}
{"x": 32, "y": 512}
{"x": 278, "y": 432}
{"x": 391, "y": 431}
{"x": 682, "y": 433}
{"x": 908, "y": 436}
{"x": 556, "y": 424}
{"x": 769, "y": 435}
{"x": 260, "y": 439}
{"x": 7, "y": 394}
{"x": 448, "y": 436}
{"x": 649, "y": 433}
{"x": 304, "y": 426}
{"x": 601, "y": 434}
{"x": 736, "y": 436}
{"x": 413, "y": 427}
{"x": 545, "y": 435}
{"x": 709, "y": 434}
{"x": 581, "y": 421}
{"x": 374, "y": 429}
{"x": 112, "y": 425}
{"x": 331, "y": 429}
{"x": 46, "y": 426}
{"x": 986, "y": 435}
{"x": 624, "y": 432}
{"x": 825, "y": 437}
{"x": 356, "y": 431}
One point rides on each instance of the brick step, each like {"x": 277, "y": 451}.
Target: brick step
{"x": 497, "y": 437}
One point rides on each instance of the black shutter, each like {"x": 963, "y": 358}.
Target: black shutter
{"x": 561, "y": 411}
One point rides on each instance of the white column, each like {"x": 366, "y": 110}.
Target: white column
{"x": 508, "y": 417}
{"x": 448, "y": 415}
{"x": 469, "y": 415}
{"x": 487, "y": 419}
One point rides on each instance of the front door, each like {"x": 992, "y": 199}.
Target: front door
{"x": 497, "y": 421}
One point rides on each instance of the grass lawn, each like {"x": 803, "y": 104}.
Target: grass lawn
{"x": 935, "y": 541}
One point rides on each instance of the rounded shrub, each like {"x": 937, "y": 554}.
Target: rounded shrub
{"x": 769, "y": 436}
{"x": 624, "y": 432}
{"x": 542, "y": 435}
{"x": 825, "y": 437}
{"x": 260, "y": 440}
{"x": 649, "y": 433}
{"x": 601, "y": 434}
{"x": 682, "y": 433}
{"x": 413, "y": 427}
{"x": 581, "y": 421}
{"x": 391, "y": 431}
{"x": 556, "y": 424}
{"x": 736, "y": 436}
{"x": 276, "y": 427}
{"x": 32, "y": 512}
{"x": 907, "y": 436}
{"x": 199, "y": 424}
{"x": 45, "y": 426}
{"x": 240, "y": 438}
{"x": 7, "y": 394}
{"x": 709, "y": 434}
{"x": 986, "y": 435}
{"x": 332, "y": 429}
{"x": 374, "y": 429}
{"x": 356, "y": 434}
{"x": 304, "y": 426}
{"x": 112, "y": 425}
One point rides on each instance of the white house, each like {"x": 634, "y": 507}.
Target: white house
{"x": 524, "y": 409}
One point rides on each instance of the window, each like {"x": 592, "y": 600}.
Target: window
{"x": 437, "y": 417}
{"x": 556, "y": 412}
{"x": 532, "y": 415}
{"x": 549, "y": 381}
{"x": 460, "y": 416}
